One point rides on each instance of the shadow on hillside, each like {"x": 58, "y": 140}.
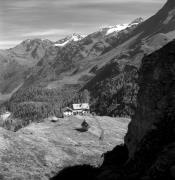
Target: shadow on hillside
{"x": 81, "y": 129}
{"x": 83, "y": 172}
{"x": 112, "y": 160}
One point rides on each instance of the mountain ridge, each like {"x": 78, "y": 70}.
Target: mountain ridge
{"x": 31, "y": 52}
{"x": 77, "y": 65}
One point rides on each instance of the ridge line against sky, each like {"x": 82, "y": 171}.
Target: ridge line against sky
{"x": 55, "y": 19}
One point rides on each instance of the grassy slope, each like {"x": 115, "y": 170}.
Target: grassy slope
{"x": 40, "y": 150}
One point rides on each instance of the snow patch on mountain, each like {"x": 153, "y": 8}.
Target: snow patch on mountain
{"x": 72, "y": 38}
{"x": 62, "y": 44}
{"x": 116, "y": 28}
{"x": 120, "y": 27}
{"x": 136, "y": 21}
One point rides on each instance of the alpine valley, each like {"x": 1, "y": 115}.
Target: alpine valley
{"x": 106, "y": 63}
{"x": 124, "y": 72}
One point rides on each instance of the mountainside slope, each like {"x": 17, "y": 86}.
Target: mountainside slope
{"x": 149, "y": 36}
{"x": 53, "y": 62}
{"x": 66, "y": 69}
{"x": 15, "y": 63}
{"x": 79, "y": 64}
{"x": 76, "y": 59}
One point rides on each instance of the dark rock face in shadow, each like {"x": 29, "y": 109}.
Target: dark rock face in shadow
{"x": 84, "y": 172}
{"x": 151, "y": 134}
{"x": 118, "y": 157}
{"x": 112, "y": 160}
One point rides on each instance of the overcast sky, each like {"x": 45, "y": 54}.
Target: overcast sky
{"x": 54, "y": 19}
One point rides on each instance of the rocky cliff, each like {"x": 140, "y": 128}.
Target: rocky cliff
{"x": 150, "y": 138}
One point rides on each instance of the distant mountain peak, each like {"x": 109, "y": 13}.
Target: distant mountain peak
{"x": 73, "y": 37}
{"x": 120, "y": 27}
{"x": 116, "y": 28}
{"x": 36, "y": 40}
{"x": 137, "y": 20}
{"x": 76, "y": 37}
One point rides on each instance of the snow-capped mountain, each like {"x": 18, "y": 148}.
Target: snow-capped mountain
{"x": 105, "y": 32}
{"x": 75, "y": 55}
{"x": 119, "y": 27}
{"x": 116, "y": 28}
{"x": 107, "y": 64}
{"x": 80, "y": 59}
{"x": 136, "y": 21}
{"x": 72, "y": 38}
{"x": 117, "y": 57}
{"x": 26, "y": 58}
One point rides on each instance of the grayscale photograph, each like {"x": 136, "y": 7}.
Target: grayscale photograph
{"x": 87, "y": 89}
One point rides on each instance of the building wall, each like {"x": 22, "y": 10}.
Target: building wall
{"x": 81, "y": 106}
